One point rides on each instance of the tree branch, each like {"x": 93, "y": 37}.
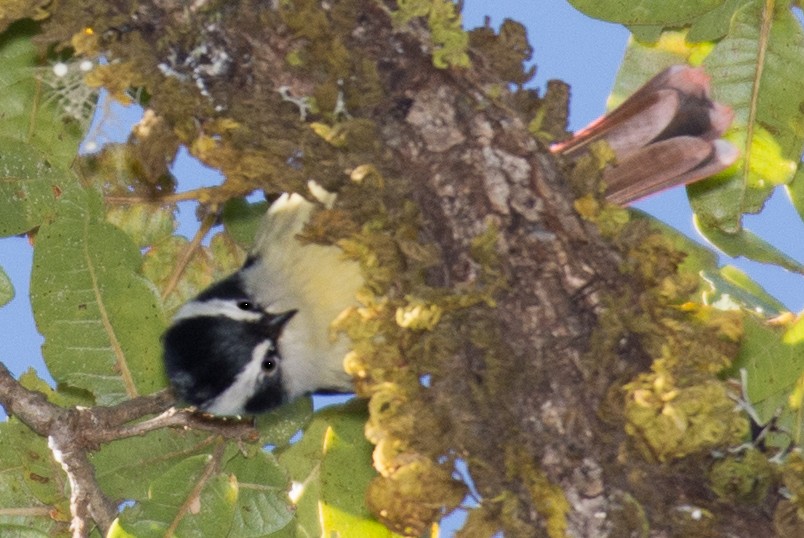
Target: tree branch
{"x": 73, "y": 433}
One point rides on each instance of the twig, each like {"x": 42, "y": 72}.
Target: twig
{"x": 58, "y": 425}
{"x": 241, "y": 430}
{"x": 203, "y": 194}
{"x": 86, "y": 498}
{"x": 31, "y": 408}
{"x": 187, "y": 255}
{"x": 73, "y": 433}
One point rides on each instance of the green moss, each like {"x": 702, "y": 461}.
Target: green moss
{"x": 547, "y": 497}
{"x": 668, "y": 421}
{"x": 680, "y": 407}
{"x": 745, "y": 477}
{"x": 450, "y": 41}
{"x": 793, "y": 478}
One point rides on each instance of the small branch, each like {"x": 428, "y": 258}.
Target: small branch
{"x": 58, "y": 425}
{"x": 213, "y": 466}
{"x": 204, "y": 194}
{"x": 86, "y": 498}
{"x": 206, "y": 225}
{"x": 129, "y": 410}
{"x": 31, "y": 408}
{"x": 241, "y": 430}
{"x": 73, "y": 433}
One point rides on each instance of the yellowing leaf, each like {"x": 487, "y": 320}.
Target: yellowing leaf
{"x": 766, "y": 164}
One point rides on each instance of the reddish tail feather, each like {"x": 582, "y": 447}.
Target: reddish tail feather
{"x": 666, "y": 134}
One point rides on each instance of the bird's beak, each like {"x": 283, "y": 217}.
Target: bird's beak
{"x": 276, "y": 322}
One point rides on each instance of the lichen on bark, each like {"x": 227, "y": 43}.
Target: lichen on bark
{"x": 498, "y": 325}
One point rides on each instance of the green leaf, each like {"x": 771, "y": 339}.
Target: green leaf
{"x": 246, "y": 498}
{"x": 205, "y": 266}
{"x": 242, "y": 219}
{"x": 731, "y": 287}
{"x": 14, "y": 531}
{"x": 646, "y": 33}
{"x": 345, "y": 474}
{"x": 795, "y": 191}
{"x": 643, "y": 60}
{"x": 774, "y": 98}
{"x": 331, "y": 468}
{"x": 64, "y": 398}
{"x": 100, "y": 319}
{"x": 773, "y": 361}
{"x": 190, "y": 499}
{"x": 278, "y": 426}
{"x": 227, "y": 255}
{"x": 745, "y": 243}
{"x": 36, "y": 146}
{"x": 651, "y": 12}
{"x": 126, "y": 468}
{"x": 714, "y": 24}
{"x": 30, "y": 186}
{"x": 263, "y": 506}
{"x": 769, "y": 120}
{"x": 698, "y": 258}
{"x": 6, "y": 288}
{"x": 29, "y": 115}
{"x": 31, "y": 483}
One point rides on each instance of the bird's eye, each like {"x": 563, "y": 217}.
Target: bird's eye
{"x": 268, "y": 364}
{"x": 245, "y": 305}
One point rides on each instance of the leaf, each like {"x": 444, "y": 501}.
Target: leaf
{"x": 30, "y": 186}
{"x": 263, "y": 506}
{"x": 160, "y": 262}
{"x": 344, "y": 480}
{"x": 769, "y": 121}
{"x": 773, "y": 362}
{"x": 246, "y": 498}
{"x": 795, "y": 191}
{"x": 731, "y": 288}
{"x": 6, "y": 288}
{"x": 242, "y": 219}
{"x": 28, "y": 115}
{"x": 205, "y": 266}
{"x": 331, "y": 468}
{"x": 146, "y": 224}
{"x": 227, "y": 255}
{"x": 698, "y": 258}
{"x": 774, "y": 99}
{"x": 64, "y": 398}
{"x": 278, "y": 426}
{"x": 190, "y": 499}
{"x": 31, "y": 483}
{"x": 13, "y": 531}
{"x": 100, "y": 319}
{"x": 746, "y": 243}
{"x": 125, "y": 468}
{"x": 36, "y": 145}
{"x": 651, "y": 12}
{"x": 714, "y": 24}
{"x": 644, "y": 60}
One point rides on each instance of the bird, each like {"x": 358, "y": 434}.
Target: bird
{"x": 262, "y": 336}
{"x": 667, "y": 133}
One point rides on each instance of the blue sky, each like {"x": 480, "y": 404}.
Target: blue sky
{"x": 568, "y": 46}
